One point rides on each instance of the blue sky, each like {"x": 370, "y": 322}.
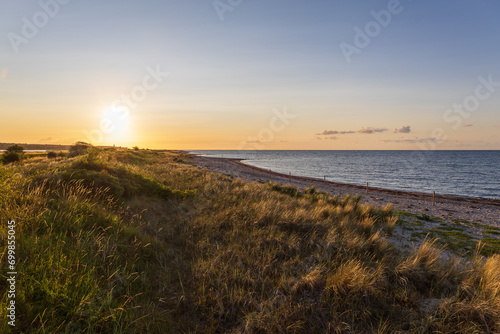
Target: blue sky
{"x": 228, "y": 77}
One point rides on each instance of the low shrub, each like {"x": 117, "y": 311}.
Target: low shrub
{"x": 10, "y": 157}
{"x": 14, "y": 153}
{"x": 79, "y": 148}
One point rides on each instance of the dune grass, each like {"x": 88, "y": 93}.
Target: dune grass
{"x": 135, "y": 241}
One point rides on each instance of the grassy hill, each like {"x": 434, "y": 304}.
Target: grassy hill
{"x": 135, "y": 241}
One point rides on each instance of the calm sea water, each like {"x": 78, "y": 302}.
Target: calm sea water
{"x": 463, "y": 173}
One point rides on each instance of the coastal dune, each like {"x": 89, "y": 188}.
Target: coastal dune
{"x": 446, "y": 207}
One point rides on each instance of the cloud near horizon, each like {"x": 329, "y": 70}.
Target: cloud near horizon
{"x": 257, "y": 142}
{"x": 326, "y": 138}
{"x": 368, "y": 130}
{"x": 403, "y": 129}
{"x": 46, "y": 140}
{"x": 371, "y": 130}
{"x": 334, "y": 132}
{"x": 414, "y": 141}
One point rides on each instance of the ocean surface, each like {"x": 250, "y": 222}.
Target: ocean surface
{"x": 463, "y": 173}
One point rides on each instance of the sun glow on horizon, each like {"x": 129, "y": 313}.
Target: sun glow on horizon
{"x": 116, "y": 126}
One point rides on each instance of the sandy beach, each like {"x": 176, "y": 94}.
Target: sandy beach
{"x": 448, "y": 208}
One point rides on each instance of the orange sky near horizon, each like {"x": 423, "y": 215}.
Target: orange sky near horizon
{"x": 177, "y": 75}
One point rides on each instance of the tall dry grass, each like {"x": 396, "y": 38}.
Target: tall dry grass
{"x": 123, "y": 241}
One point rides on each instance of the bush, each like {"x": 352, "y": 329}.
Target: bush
{"x": 80, "y": 148}
{"x": 13, "y": 154}
{"x": 15, "y": 149}
{"x": 10, "y": 157}
{"x": 51, "y": 155}
{"x": 285, "y": 189}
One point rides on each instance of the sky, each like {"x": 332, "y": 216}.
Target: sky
{"x": 241, "y": 74}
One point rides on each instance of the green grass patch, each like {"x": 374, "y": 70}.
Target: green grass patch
{"x": 490, "y": 246}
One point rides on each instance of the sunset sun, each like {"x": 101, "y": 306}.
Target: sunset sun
{"x": 115, "y": 125}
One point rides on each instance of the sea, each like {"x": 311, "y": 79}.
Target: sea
{"x": 462, "y": 173}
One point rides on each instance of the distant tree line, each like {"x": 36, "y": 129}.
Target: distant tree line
{"x": 15, "y": 153}
{"x": 46, "y": 147}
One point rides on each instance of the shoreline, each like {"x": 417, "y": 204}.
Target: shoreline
{"x": 478, "y": 200}
{"x": 447, "y": 207}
